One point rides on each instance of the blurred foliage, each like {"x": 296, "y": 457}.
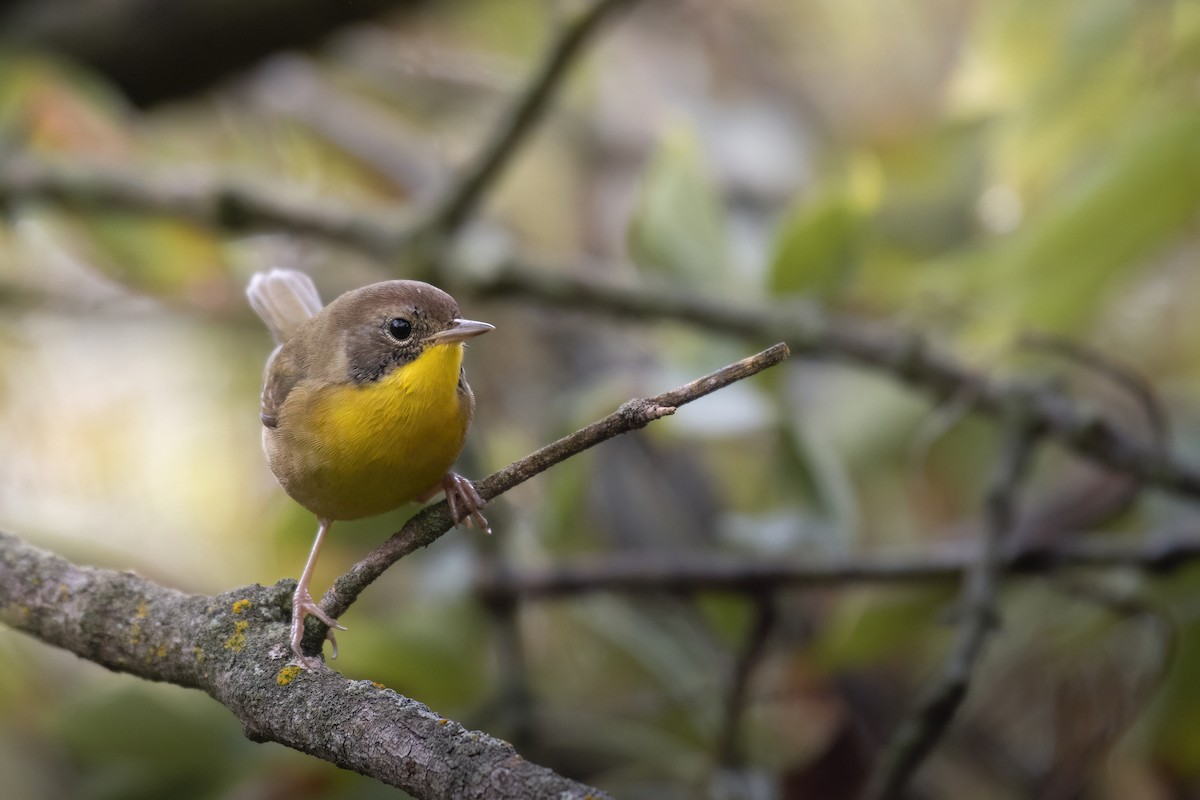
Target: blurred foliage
{"x": 676, "y": 227}
{"x": 973, "y": 169}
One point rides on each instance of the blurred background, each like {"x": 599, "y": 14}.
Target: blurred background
{"x": 975, "y": 170}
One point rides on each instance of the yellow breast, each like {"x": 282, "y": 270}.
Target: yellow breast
{"x": 349, "y": 451}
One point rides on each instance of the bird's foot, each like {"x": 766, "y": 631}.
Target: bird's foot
{"x": 464, "y": 501}
{"x": 302, "y": 606}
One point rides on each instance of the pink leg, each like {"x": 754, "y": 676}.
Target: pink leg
{"x": 464, "y": 501}
{"x": 303, "y": 605}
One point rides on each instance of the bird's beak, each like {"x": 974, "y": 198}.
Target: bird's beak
{"x": 459, "y": 330}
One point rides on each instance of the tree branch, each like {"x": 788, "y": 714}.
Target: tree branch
{"x": 749, "y": 656}
{"x": 429, "y": 524}
{"x": 527, "y": 109}
{"x": 683, "y": 574}
{"x": 233, "y": 647}
{"x": 903, "y": 354}
{"x": 232, "y": 205}
{"x": 917, "y": 736}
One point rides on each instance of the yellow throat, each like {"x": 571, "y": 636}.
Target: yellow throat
{"x": 361, "y": 450}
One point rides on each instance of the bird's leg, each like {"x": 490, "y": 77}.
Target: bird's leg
{"x": 303, "y": 605}
{"x": 464, "y": 501}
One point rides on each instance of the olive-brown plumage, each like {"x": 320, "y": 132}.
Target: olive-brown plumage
{"x": 365, "y": 405}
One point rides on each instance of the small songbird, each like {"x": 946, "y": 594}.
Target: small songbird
{"x": 365, "y": 405}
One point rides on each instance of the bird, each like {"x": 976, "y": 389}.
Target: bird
{"x": 365, "y": 406}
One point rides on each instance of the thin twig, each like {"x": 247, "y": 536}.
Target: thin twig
{"x": 918, "y": 735}
{"x": 1123, "y": 376}
{"x": 518, "y": 120}
{"x": 749, "y": 656}
{"x": 429, "y": 524}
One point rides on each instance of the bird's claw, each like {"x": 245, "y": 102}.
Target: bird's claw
{"x": 465, "y": 502}
{"x": 303, "y": 606}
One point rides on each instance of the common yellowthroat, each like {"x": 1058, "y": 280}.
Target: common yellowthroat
{"x": 365, "y": 405}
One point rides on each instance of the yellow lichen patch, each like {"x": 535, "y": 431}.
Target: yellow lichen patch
{"x": 237, "y": 641}
{"x": 378, "y": 685}
{"x": 198, "y": 654}
{"x": 241, "y": 605}
{"x": 63, "y": 591}
{"x": 135, "y": 630}
{"x": 159, "y": 652}
{"x": 443, "y": 721}
{"x": 287, "y": 675}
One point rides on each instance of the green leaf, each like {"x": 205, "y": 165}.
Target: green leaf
{"x": 678, "y": 226}
{"x": 1068, "y": 260}
{"x": 817, "y": 247}
{"x": 870, "y": 626}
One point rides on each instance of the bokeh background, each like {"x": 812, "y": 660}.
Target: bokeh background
{"x": 974, "y": 169}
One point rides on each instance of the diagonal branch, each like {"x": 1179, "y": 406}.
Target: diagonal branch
{"x": 918, "y": 735}
{"x": 518, "y": 120}
{"x": 429, "y": 524}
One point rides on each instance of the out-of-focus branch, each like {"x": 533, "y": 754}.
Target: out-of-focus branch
{"x": 1120, "y": 375}
{"x": 429, "y": 525}
{"x": 917, "y": 736}
{"x": 233, "y": 647}
{"x": 766, "y": 614}
{"x": 680, "y": 574}
{"x": 904, "y": 354}
{"x": 518, "y": 119}
{"x": 233, "y": 205}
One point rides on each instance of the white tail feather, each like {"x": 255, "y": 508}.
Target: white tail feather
{"x": 285, "y": 299}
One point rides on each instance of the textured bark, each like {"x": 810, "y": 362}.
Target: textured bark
{"x": 234, "y": 648}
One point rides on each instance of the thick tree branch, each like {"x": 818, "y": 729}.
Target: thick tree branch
{"x": 429, "y": 525}
{"x": 233, "y": 647}
{"x": 918, "y": 735}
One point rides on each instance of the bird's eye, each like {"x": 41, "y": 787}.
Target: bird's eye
{"x": 400, "y": 329}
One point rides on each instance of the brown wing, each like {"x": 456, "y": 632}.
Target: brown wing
{"x": 466, "y": 397}
{"x": 281, "y": 375}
